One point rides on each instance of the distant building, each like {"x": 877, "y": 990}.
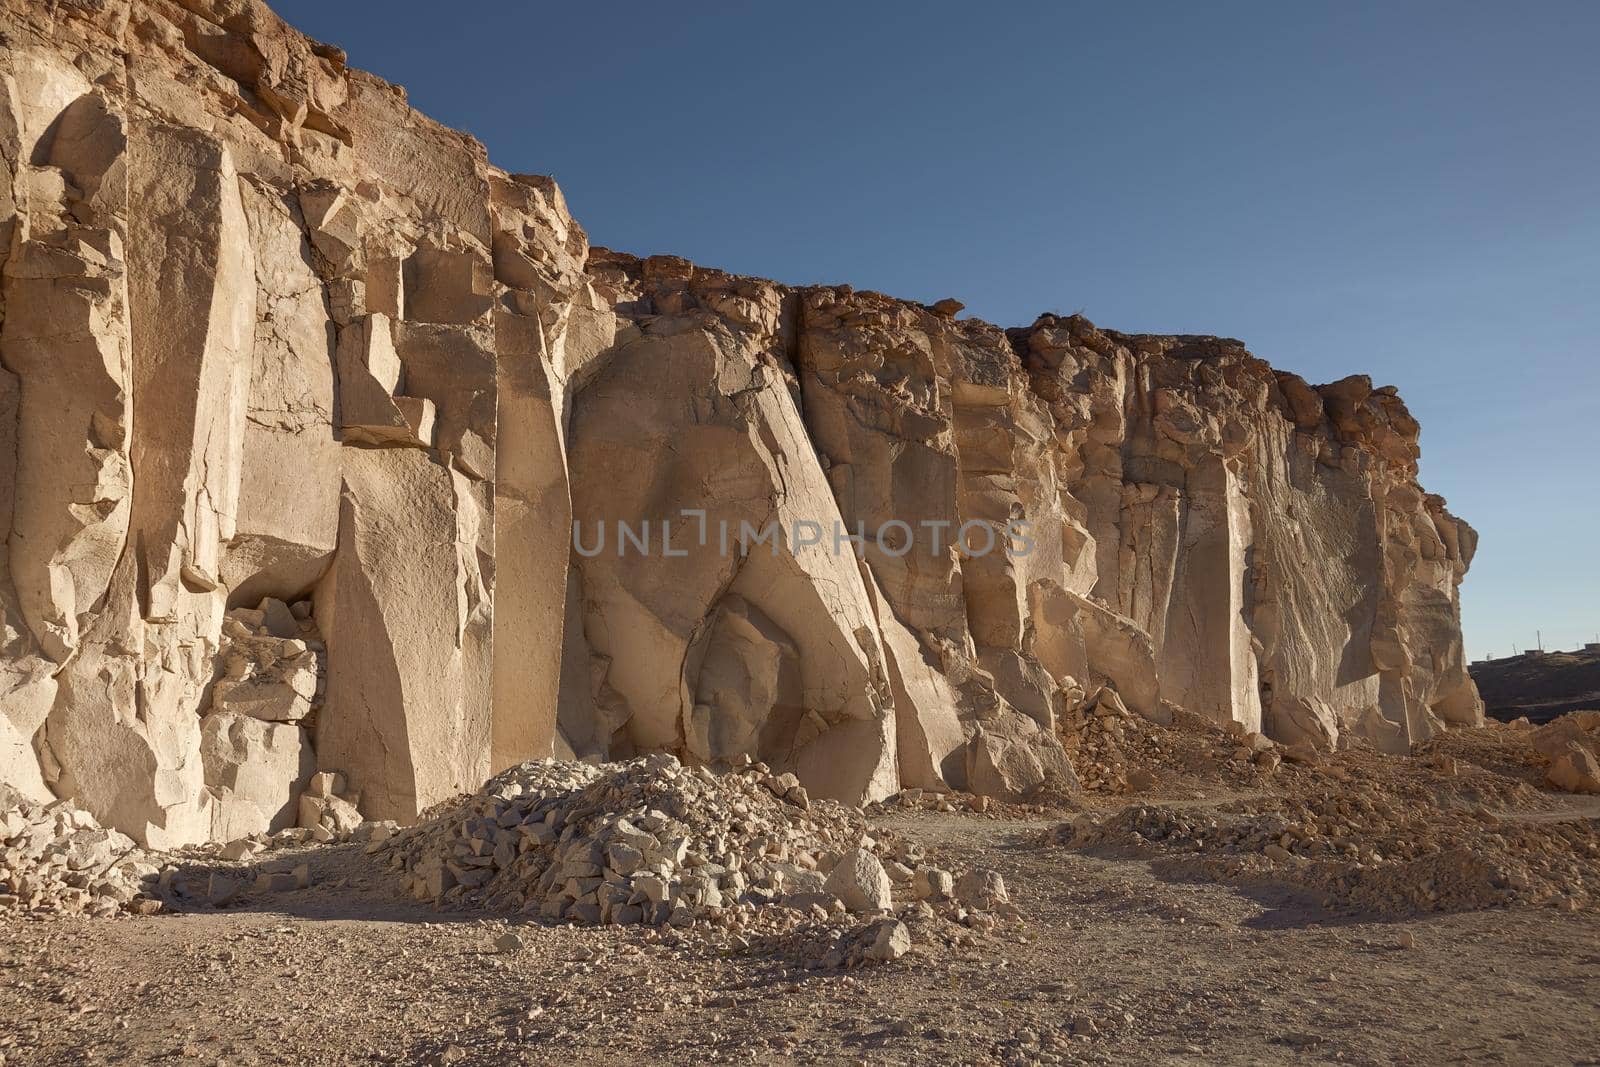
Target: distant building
{"x": 1592, "y": 646}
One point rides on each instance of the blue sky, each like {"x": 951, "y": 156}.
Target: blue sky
{"x": 1410, "y": 191}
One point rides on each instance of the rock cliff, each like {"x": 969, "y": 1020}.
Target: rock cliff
{"x": 326, "y": 444}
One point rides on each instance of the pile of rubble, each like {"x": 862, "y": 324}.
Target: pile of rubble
{"x": 1377, "y": 834}
{"x": 55, "y": 859}
{"x": 272, "y": 660}
{"x": 1116, "y": 751}
{"x": 258, "y": 734}
{"x": 1109, "y": 746}
{"x": 1563, "y": 755}
{"x": 945, "y": 802}
{"x": 653, "y": 842}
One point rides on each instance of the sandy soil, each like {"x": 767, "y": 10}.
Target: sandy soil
{"x": 1116, "y": 964}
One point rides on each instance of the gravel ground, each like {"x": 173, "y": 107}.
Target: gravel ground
{"x": 1116, "y": 964}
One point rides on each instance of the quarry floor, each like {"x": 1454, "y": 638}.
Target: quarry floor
{"x": 1116, "y": 965}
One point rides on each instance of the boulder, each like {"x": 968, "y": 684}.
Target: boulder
{"x": 981, "y": 888}
{"x": 931, "y": 883}
{"x": 1013, "y": 758}
{"x": 254, "y": 771}
{"x": 861, "y": 882}
{"x": 1575, "y": 769}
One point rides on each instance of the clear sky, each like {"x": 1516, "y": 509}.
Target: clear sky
{"x": 1408, "y": 190}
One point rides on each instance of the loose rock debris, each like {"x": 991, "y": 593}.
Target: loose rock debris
{"x": 655, "y": 843}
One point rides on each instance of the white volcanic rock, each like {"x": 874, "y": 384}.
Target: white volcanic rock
{"x": 56, "y": 859}
{"x": 651, "y": 841}
{"x": 1570, "y": 744}
{"x": 254, "y": 771}
{"x": 408, "y": 716}
{"x": 272, "y": 342}
{"x": 860, "y": 881}
{"x": 738, "y": 647}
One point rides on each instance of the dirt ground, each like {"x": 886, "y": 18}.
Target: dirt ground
{"x": 1116, "y": 964}
{"x": 1194, "y": 906}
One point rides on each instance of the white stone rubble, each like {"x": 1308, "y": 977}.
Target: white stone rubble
{"x": 653, "y": 842}
{"x": 56, "y": 859}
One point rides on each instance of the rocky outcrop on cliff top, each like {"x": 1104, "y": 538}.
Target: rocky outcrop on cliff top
{"x": 302, "y": 400}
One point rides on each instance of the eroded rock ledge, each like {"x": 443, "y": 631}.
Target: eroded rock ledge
{"x": 301, "y": 398}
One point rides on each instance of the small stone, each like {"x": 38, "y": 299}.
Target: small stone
{"x": 981, "y": 887}
{"x": 276, "y": 882}
{"x": 241, "y": 849}
{"x": 221, "y": 890}
{"x": 890, "y": 939}
{"x": 931, "y": 883}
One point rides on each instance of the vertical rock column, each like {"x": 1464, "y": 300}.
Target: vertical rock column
{"x": 126, "y": 728}
{"x": 65, "y": 390}
{"x": 405, "y": 718}
{"x": 406, "y": 608}
{"x": 545, "y": 338}
{"x": 1204, "y": 652}
{"x": 533, "y": 517}
{"x": 192, "y": 282}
